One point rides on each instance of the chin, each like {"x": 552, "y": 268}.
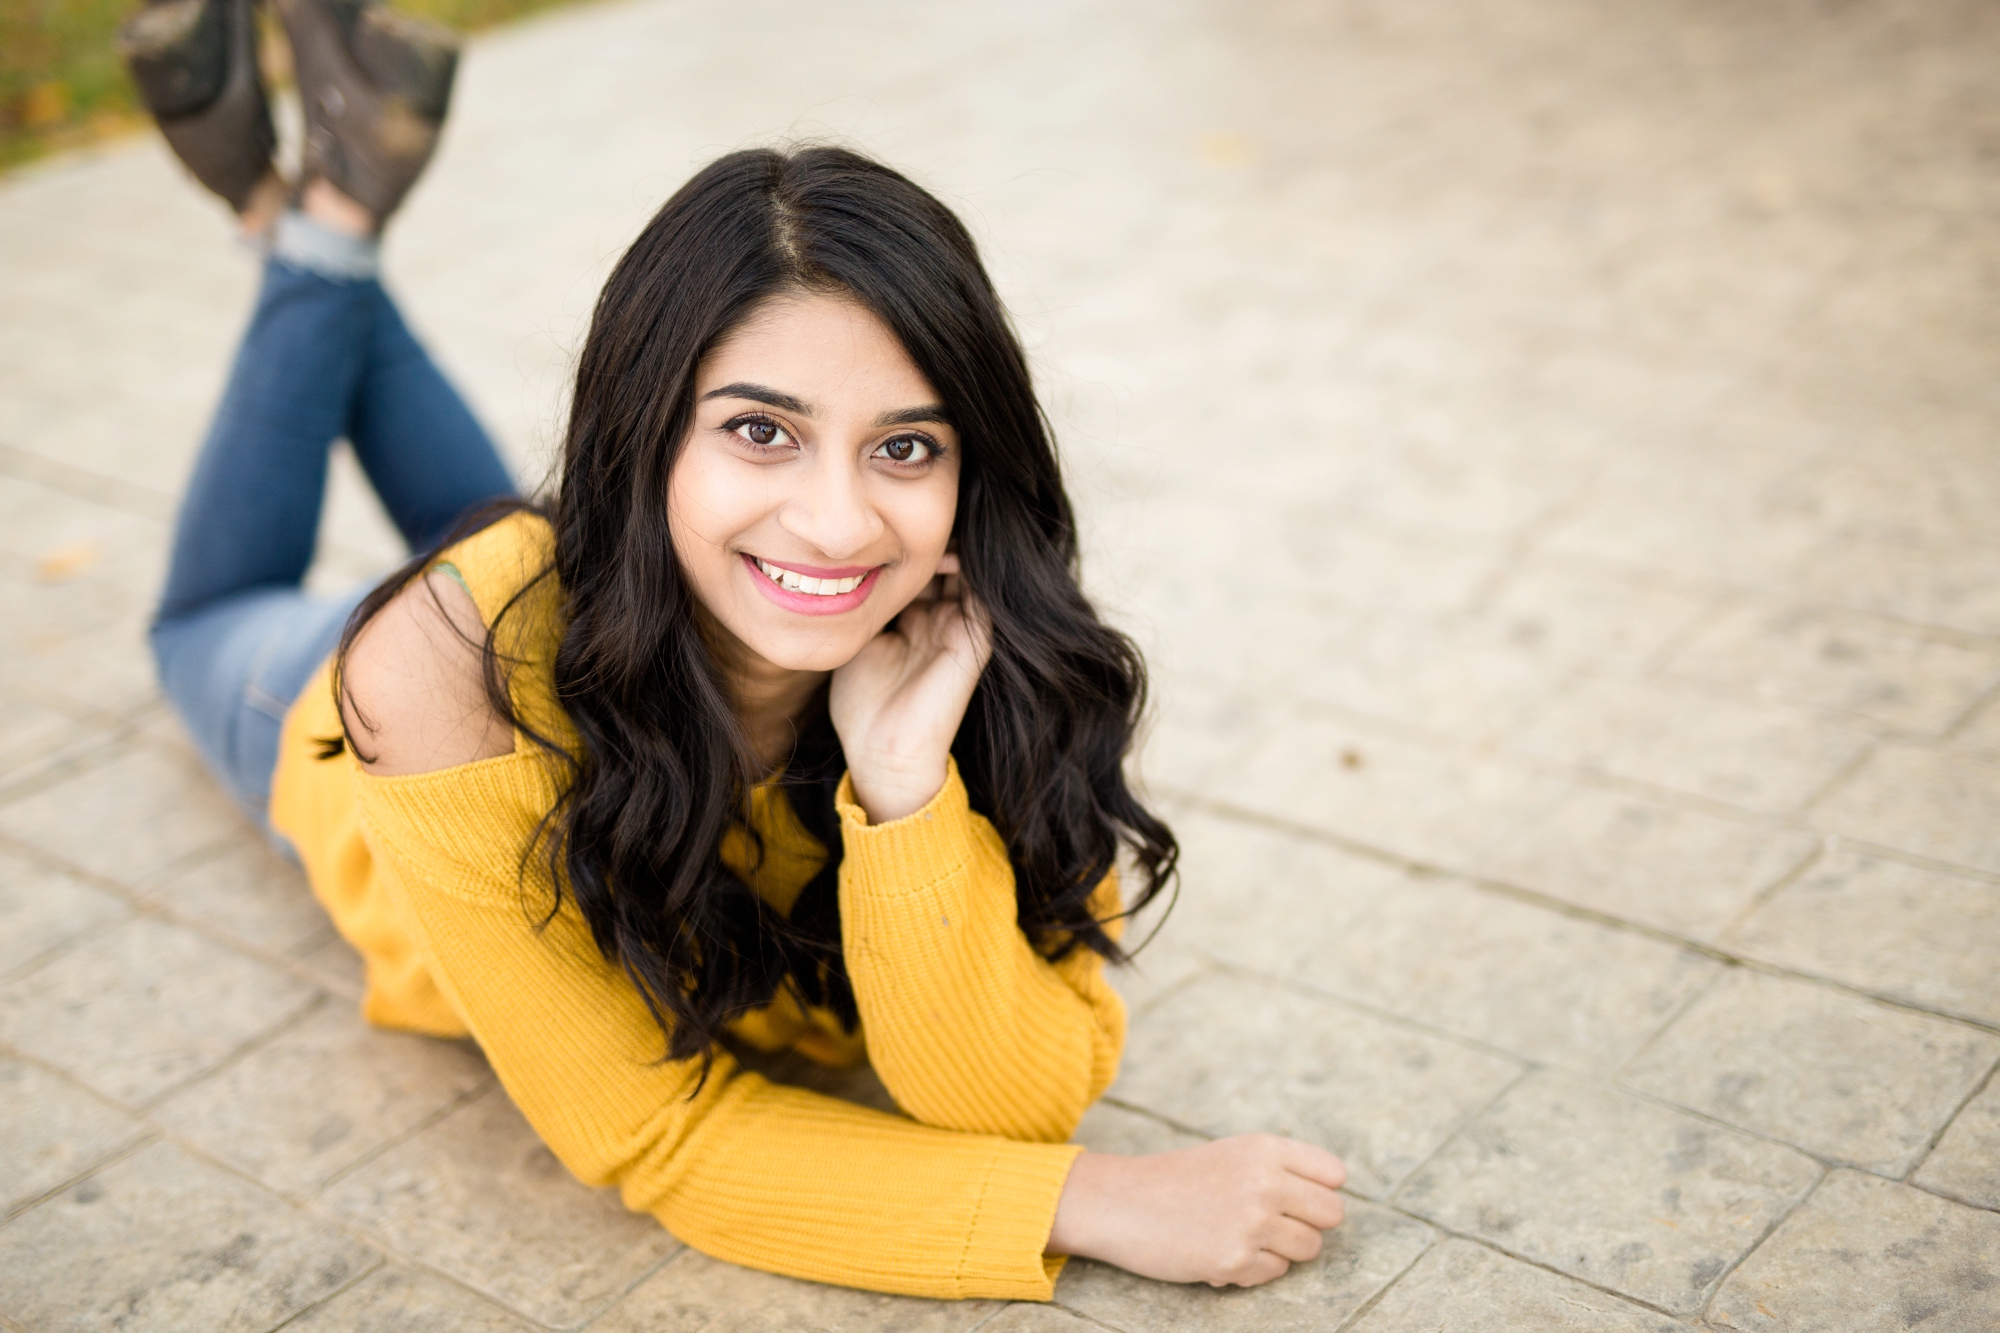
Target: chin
{"x": 808, "y": 651}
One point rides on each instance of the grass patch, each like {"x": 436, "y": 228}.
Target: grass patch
{"x": 62, "y": 85}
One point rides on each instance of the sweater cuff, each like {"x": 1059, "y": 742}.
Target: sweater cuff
{"x": 910, "y": 854}
{"x": 950, "y": 799}
{"x": 1005, "y": 1254}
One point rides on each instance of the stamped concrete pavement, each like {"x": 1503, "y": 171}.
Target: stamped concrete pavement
{"x": 1547, "y": 451}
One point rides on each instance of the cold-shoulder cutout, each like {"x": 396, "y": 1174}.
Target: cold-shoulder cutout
{"x": 412, "y": 692}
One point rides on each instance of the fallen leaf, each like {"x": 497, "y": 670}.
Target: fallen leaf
{"x": 66, "y": 562}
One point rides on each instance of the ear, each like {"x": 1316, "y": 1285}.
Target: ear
{"x": 948, "y": 562}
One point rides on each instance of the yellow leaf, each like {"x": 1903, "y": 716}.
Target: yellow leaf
{"x": 66, "y": 562}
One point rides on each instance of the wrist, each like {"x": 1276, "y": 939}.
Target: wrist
{"x": 1080, "y": 1207}
{"x": 888, "y": 792}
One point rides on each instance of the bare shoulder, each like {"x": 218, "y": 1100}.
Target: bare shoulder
{"x": 412, "y": 691}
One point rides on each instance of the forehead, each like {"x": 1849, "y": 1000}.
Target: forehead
{"x": 822, "y": 348}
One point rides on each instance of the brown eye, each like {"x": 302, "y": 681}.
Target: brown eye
{"x": 905, "y": 449}
{"x": 761, "y": 433}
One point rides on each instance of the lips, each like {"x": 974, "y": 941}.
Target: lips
{"x": 811, "y": 589}
{"x": 793, "y": 580}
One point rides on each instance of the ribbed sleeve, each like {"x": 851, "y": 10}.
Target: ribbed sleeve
{"x": 969, "y": 1027}
{"x": 768, "y": 1176}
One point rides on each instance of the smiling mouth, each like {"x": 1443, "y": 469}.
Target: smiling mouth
{"x": 792, "y": 581}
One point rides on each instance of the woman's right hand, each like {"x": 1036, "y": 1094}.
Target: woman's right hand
{"x": 1234, "y": 1212}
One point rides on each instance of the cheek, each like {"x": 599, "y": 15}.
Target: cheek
{"x": 922, "y": 516}
{"x": 700, "y": 514}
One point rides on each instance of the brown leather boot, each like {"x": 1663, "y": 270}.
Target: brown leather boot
{"x": 195, "y": 64}
{"x": 375, "y": 85}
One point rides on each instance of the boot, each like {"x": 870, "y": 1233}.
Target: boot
{"x": 195, "y": 64}
{"x": 375, "y": 85}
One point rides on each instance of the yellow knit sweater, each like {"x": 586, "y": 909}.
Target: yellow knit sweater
{"x": 992, "y": 1052}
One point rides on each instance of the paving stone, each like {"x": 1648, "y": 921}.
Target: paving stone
{"x": 1579, "y": 609}
{"x": 1460, "y": 679}
{"x": 696, "y": 1294}
{"x": 1966, "y": 1162}
{"x": 1113, "y": 1129}
{"x": 1523, "y": 978}
{"x": 67, "y": 537}
{"x": 1931, "y": 802}
{"x": 1362, "y": 1255}
{"x": 162, "y": 1241}
{"x": 1384, "y": 793}
{"x": 1026, "y": 1318}
{"x": 1762, "y": 757}
{"x": 1460, "y": 1287}
{"x": 334, "y": 964}
{"x": 1200, "y": 725}
{"x": 1954, "y": 587}
{"x": 82, "y": 643}
{"x": 1904, "y": 1259}
{"x": 1875, "y": 669}
{"x": 1982, "y": 733}
{"x": 320, "y": 1096}
{"x": 399, "y": 1300}
{"x": 1158, "y": 969}
{"x": 1905, "y": 932}
{"x": 51, "y": 1131}
{"x": 1268, "y": 900}
{"x": 144, "y": 1006}
{"x": 35, "y": 734}
{"x": 1227, "y": 1055}
{"x": 1644, "y": 1201}
{"x": 249, "y": 893}
{"x": 167, "y": 809}
{"x": 1677, "y": 870}
{"x": 41, "y": 909}
{"x": 478, "y": 1198}
{"x": 1839, "y": 1076}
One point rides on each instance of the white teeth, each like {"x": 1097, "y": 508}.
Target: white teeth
{"x": 785, "y": 578}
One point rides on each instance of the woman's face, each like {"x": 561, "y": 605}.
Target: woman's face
{"x": 814, "y": 495}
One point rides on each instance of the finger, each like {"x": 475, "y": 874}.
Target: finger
{"x": 1312, "y": 1203}
{"x": 980, "y": 622}
{"x": 1291, "y": 1239}
{"x": 1258, "y": 1271}
{"x": 1315, "y": 1164}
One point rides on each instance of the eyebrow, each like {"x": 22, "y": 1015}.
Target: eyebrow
{"x": 759, "y": 393}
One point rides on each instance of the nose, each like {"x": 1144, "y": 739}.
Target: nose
{"x": 831, "y": 511}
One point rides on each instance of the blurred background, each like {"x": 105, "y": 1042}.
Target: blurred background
{"x": 1546, "y": 449}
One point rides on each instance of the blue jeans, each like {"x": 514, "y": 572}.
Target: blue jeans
{"x": 236, "y": 637}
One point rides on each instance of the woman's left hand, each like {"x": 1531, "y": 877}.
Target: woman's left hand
{"x": 897, "y": 706}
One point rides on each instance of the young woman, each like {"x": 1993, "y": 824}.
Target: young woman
{"x": 781, "y": 723}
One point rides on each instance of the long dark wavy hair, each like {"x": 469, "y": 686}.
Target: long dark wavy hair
{"x": 662, "y": 768}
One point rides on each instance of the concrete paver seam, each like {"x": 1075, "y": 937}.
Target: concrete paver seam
{"x": 1775, "y": 887}
{"x": 96, "y": 1165}
{"x": 1528, "y": 1071}
{"x": 610, "y": 1307}
{"x": 145, "y": 904}
{"x": 1390, "y": 1016}
{"x": 1909, "y": 1177}
{"x": 485, "y": 1086}
{"x": 1361, "y": 1311}
{"x": 1533, "y": 897}
{"x": 1769, "y": 1231}
{"x": 317, "y": 1001}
